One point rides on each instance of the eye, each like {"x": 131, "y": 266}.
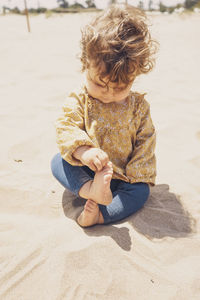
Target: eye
{"x": 99, "y": 85}
{"x": 95, "y": 83}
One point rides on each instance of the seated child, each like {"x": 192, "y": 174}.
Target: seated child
{"x": 105, "y": 135}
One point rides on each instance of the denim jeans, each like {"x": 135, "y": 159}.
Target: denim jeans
{"x": 127, "y": 198}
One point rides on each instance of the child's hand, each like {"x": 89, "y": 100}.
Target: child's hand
{"x": 94, "y": 158}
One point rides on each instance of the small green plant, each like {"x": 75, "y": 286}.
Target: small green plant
{"x": 163, "y": 8}
{"x": 48, "y": 13}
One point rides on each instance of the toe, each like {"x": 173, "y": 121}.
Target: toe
{"x": 107, "y": 172}
{"x": 109, "y": 163}
{"x": 107, "y": 178}
{"x": 108, "y": 169}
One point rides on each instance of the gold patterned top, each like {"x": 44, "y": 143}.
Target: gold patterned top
{"x": 123, "y": 130}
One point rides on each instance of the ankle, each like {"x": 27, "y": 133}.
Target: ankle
{"x": 101, "y": 218}
{"x": 84, "y": 191}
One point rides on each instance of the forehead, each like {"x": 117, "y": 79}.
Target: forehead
{"x": 94, "y": 74}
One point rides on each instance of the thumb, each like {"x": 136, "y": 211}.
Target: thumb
{"x": 92, "y": 167}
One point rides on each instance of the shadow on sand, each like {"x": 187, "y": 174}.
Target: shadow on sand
{"x": 163, "y": 215}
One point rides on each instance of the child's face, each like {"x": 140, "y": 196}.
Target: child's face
{"x": 113, "y": 92}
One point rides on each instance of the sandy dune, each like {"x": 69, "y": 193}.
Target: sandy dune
{"x": 44, "y": 254}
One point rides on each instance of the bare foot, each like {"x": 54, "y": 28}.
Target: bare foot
{"x": 100, "y": 186}
{"x": 91, "y": 215}
{"x": 98, "y": 189}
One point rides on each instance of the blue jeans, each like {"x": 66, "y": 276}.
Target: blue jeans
{"x": 127, "y": 198}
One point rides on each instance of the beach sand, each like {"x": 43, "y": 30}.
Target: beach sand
{"x": 44, "y": 254}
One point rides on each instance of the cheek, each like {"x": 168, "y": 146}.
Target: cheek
{"x": 92, "y": 87}
{"x": 126, "y": 92}
{"x": 122, "y": 94}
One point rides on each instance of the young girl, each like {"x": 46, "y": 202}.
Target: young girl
{"x": 105, "y": 134}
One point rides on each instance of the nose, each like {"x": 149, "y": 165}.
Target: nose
{"x": 112, "y": 91}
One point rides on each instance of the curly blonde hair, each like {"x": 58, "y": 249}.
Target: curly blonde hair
{"x": 118, "y": 37}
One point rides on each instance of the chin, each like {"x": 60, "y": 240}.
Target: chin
{"x": 106, "y": 100}
{"x": 111, "y": 100}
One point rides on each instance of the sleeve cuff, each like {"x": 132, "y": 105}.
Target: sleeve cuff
{"x": 150, "y": 181}
{"x": 67, "y": 154}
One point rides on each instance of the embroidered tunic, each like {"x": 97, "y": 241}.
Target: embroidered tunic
{"x": 123, "y": 130}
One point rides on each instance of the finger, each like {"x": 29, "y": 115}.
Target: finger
{"x": 103, "y": 153}
{"x": 88, "y": 209}
{"x": 92, "y": 167}
{"x": 87, "y": 205}
{"x": 90, "y": 201}
{"x": 98, "y": 164}
{"x": 103, "y": 157}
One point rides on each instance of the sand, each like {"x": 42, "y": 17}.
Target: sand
{"x": 44, "y": 254}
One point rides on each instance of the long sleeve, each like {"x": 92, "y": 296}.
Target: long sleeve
{"x": 70, "y": 129}
{"x": 142, "y": 165}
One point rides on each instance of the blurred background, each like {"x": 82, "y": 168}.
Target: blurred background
{"x": 41, "y": 6}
